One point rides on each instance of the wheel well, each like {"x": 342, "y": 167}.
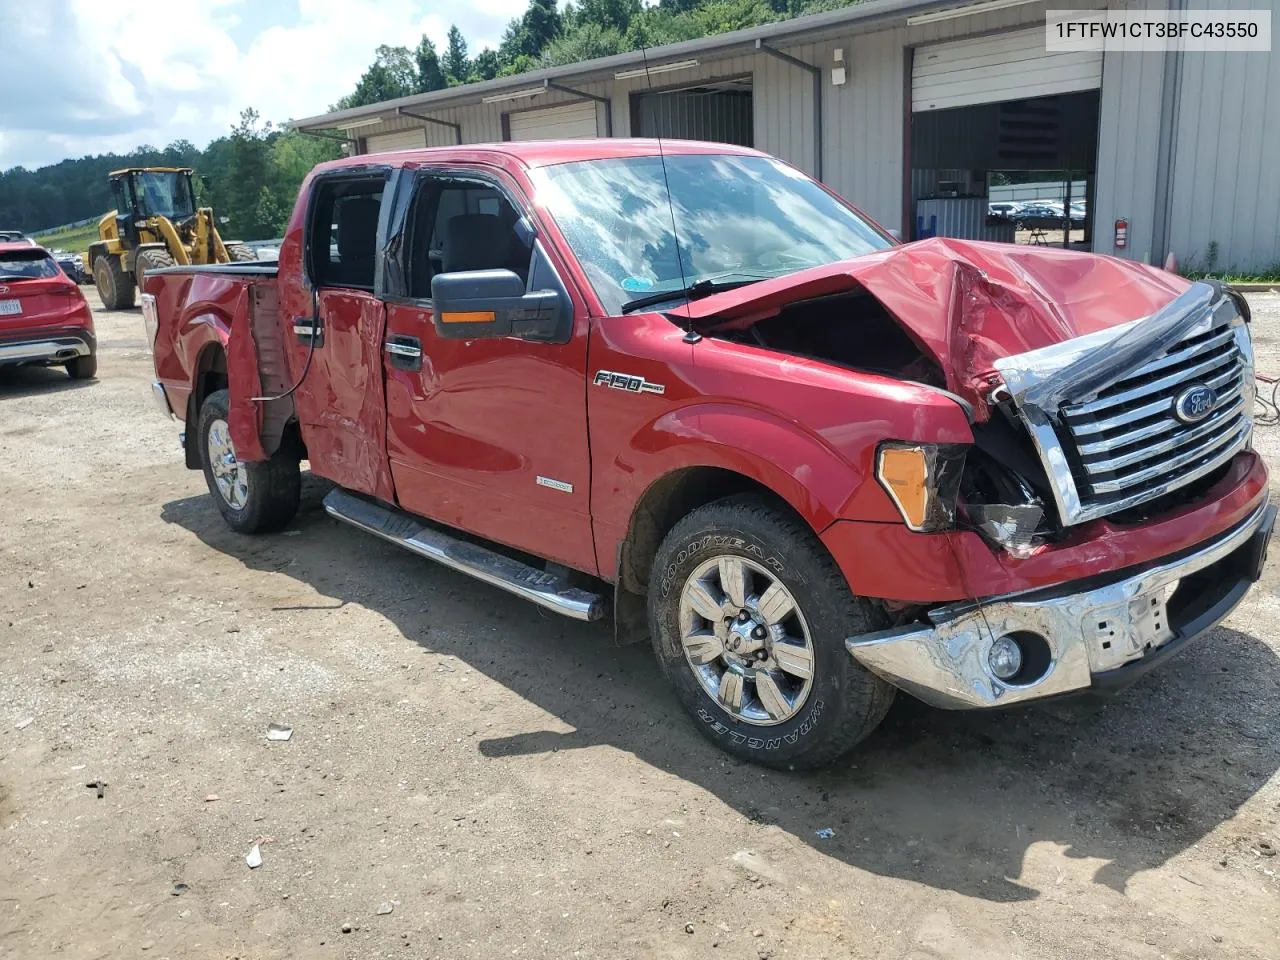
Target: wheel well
{"x": 664, "y": 504}
{"x": 661, "y": 508}
{"x": 210, "y": 376}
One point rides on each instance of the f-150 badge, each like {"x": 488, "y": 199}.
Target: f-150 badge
{"x": 627, "y": 382}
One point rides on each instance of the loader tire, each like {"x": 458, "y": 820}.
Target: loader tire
{"x": 149, "y": 260}
{"x": 115, "y": 286}
{"x": 239, "y": 253}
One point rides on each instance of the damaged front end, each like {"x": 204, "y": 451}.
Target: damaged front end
{"x": 1126, "y": 424}
{"x": 1126, "y": 416}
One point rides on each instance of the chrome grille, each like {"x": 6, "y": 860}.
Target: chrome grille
{"x": 1127, "y": 446}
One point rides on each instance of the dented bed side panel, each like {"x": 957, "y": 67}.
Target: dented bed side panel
{"x": 202, "y": 313}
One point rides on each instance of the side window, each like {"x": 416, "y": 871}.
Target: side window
{"x": 342, "y": 235}
{"x": 459, "y": 225}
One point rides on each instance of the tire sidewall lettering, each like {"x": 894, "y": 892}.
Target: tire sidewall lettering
{"x": 807, "y": 726}
{"x": 720, "y": 541}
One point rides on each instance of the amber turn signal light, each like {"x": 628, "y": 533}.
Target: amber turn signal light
{"x": 923, "y": 481}
{"x": 468, "y": 316}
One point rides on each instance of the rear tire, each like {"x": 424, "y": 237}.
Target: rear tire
{"x": 149, "y": 260}
{"x": 239, "y": 253}
{"x": 83, "y": 368}
{"x": 792, "y": 697}
{"x": 252, "y": 497}
{"x": 115, "y": 287}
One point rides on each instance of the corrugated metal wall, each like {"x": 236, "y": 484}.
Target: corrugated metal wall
{"x": 701, "y": 113}
{"x": 1128, "y": 148}
{"x": 1226, "y": 158}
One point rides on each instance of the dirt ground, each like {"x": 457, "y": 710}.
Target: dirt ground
{"x": 512, "y": 785}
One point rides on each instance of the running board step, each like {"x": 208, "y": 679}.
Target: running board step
{"x": 543, "y": 588}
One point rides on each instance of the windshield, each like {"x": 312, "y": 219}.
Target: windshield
{"x": 739, "y": 218}
{"x": 27, "y": 266}
{"x": 165, "y": 194}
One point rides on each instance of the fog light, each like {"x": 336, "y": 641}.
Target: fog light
{"x": 1005, "y": 658}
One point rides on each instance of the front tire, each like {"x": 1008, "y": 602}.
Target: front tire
{"x": 115, "y": 287}
{"x": 239, "y": 253}
{"x": 259, "y": 497}
{"x": 748, "y": 614}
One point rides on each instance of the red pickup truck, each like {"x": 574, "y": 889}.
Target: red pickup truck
{"x": 693, "y": 389}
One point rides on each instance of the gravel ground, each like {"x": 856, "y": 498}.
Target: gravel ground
{"x": 511, "y": 785}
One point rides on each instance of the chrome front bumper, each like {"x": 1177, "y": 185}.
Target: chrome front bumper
{"x": 1099, "y": 634}
{"x": 53, "y": 350}
{"x": 162, "y": 401}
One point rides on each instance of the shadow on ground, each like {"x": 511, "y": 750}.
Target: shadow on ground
{"x": 28, "y": 381}
{"x": 951, "y": 800}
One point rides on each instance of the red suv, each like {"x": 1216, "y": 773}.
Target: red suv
{"x": 44, "y": 318}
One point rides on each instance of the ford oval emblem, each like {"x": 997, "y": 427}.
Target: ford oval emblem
{"x": 1194, "y": 403}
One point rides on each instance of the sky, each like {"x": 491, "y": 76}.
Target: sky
{"x": 84, "y": 77}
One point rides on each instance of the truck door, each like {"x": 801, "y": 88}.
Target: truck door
{"x": 341, "y": 401}
{"x": 486, "y": 435}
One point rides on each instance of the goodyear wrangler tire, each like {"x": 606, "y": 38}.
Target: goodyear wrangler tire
{"x": 749, "y": 613}
{"x": 253, "y": 497}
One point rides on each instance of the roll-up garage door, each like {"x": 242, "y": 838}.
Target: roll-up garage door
{"x": 1003, "y": 66}
{"x": 400, "y": 140}
{"x": 569, "y": 122}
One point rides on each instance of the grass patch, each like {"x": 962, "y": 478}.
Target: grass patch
{"x": 75, "y": 240}
{"x": 1266, "y": 276}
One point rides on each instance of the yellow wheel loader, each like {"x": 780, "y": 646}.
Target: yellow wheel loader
{"x": 155, "y": 224}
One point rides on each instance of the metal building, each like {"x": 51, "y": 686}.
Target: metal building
{"x": 906, "y": 107}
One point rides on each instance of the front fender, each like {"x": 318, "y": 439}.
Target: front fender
{"x": 810, "y": 475}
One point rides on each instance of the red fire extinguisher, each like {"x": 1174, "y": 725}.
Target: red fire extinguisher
{"x": 1122, "y": 234}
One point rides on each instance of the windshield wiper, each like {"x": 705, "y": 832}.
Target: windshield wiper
{"x": 695, "y": 291}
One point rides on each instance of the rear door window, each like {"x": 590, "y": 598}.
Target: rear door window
{"x": 342, "y": 234}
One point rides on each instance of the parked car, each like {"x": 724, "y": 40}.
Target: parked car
{"x": 44, "y": 318}
{"x": 1003, "y": 208}
{"x": 811, "y": 464}
{"x": 15, "y": 236}
{"x": 72, "y": 265}
{"x": 1038, "y": 210}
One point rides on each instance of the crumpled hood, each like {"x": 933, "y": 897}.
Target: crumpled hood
{"x": 967, "y": 303}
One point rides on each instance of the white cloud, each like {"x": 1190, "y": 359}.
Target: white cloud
{"x": 107, "y": 77}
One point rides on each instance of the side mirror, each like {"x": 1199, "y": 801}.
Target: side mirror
{"x": 484, "y": 304}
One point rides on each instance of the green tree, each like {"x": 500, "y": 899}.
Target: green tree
{"x": 246, "y": 174}
{"x": 393, "y": 73}
{"x": 615, "y": 14}
{"x": 529, "y": 34}
{"x": 585, "y": 41}
{"x": 721, "y": 16}
{"x": 430, "y": 75}
{"x": 485, "y": 66}
{"x": 456, "y": 65}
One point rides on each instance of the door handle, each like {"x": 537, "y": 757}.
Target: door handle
{"x": 309, "y": 331}
{"x": 404, "y": 353}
